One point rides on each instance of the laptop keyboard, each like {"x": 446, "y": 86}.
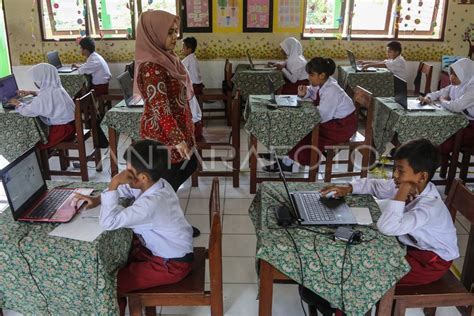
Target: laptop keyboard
{"x": 50, "y": 205}
{"x": 315, "y": 210}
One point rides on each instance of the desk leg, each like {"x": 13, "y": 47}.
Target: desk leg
{"x": 113, "y": 151}
{"x": 265, "y": 291}
{"x": 314, "y": 157}
{"x": 253, "y": 164}
{"x": 386, "y": 302}
{"x": 453, "y": 166}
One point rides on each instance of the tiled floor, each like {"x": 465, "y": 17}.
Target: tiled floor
{"x": 239, "y": 242}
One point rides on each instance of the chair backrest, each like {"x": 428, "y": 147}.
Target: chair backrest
{"x": 215, "y": 239}
{"x": 461, "y": 199}
{"x": 427, "y": 70}
{"x": 85, "y": 117}
{"x": 363, "y": 100}
{"x": 130, "y": 68}
{"x": 235, "y": 120}
{"x": 228, "y": 86}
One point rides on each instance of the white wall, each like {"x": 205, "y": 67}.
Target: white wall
{"x": 212, "y": 72}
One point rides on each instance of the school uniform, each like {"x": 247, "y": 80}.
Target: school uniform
{"x": 398, "y": 66}
{"x": 192, "y": 65}
{"x": 461, "y": 101}
{"x": 197, "y": 115}
{"x": 295, "y": 66}
{"x": 194, "y": 103}
{"x": 162, "y": 251}
{"x": 338, "y": 119}
{"x": 424, "y": 225}
{"x": 97, "y": 67}
{"x": 52, "y": 105}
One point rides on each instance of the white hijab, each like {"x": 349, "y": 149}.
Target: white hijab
{"x": 53, "y": 102}
{"x": 464, "y": 69}
{"x": 293, "y": 49}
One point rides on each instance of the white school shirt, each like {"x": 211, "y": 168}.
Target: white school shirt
{"x": 195, "y": 109}
{"x": 296, "y": 63}
{"x": 426, "y": 218}
{"x": 398, "y": 66}
{"x": 156, "y": 216}
{"x": 192, "y": 65}
{"x": 97, "y": 67}
{"x": 334, "y": 103}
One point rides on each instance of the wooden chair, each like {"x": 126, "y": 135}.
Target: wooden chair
{"x": 190, "y": 291}
{"x": 86, "y": 127}
{"x": 224, "y": 94}
{"x": 463, "y": 164}
{"x": 363, "y": 143}
{"x": 448, "y": 291}
{"x": 427, "y": 71}
{"x": 221, "y": 139}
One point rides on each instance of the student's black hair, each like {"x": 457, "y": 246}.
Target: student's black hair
{"x": 421, "y": 155}
{"x": 396, "y": 46}
{"x": 148, "y": 156}
{"x": 88, "y": 43}
{"x": 321, "y": 65}
{"x": 190, "y": 42}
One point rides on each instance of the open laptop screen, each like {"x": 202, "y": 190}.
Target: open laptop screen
{"x": 8, "y": 88}
{"x": 126, "y": 84}
{"x": 400, "y": 91}
{"x": 53, "y": 59}
{"x": 23, "y": 182}
{"x": 352, "y": 59}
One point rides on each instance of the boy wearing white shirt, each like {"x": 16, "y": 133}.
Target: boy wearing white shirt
{"x": 162, "y": 252}
{"x": 414, "y": 212}
{"x": 394, "y": 62}
{"x": 95, "y": 66}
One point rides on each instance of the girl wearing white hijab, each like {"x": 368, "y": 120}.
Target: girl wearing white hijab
{"x": 52, "y": 104}
{"x": 294, "y": 67}
{"x": 458, "y": 97}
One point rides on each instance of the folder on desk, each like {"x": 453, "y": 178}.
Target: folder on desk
{"x": 85, "y": 226}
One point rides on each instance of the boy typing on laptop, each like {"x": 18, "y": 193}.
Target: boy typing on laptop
{"x": 162, "y": 250}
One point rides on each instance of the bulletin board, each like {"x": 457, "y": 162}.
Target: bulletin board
{"x": 288, "y": 16}
{"x": 5, "y": 65}
{"x": 227, "y": 16}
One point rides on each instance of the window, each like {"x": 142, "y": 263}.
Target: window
{"x": 63, "y": 19}
{"x": 113, "y": 18}
{"x": 390, "y": 19}
{"x": 5, "y": 67}
{"x": 170, "y": 6}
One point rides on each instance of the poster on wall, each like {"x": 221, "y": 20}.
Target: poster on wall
{"x": 288, "y": 16}
{"x": 5, "y": 66}
{"x": 198, "y": 16}
{"x": 227, "y": 15}
{"x": 258, "y": 15}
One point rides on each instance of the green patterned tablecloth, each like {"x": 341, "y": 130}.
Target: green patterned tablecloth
{"x": 75, "y": 277}
{"x": 19, "y": 133}
{"x": 390, "y": 119}
{"x": 280, "y": 129}
{"x": 379, "y": 83}
{"x": 124, "y": 120}
{"x": 371, "y": 268}
{"x": 255, "y": 81}
{"x": 73, "y": 82}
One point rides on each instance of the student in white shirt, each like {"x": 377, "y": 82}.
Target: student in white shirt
{"x": 95, "y": 66}
{"x": 52, "y": 104}
{"x": 458, "y": 97}
{"x": 414, "y": 212}
{"x": 162, "y": 252}
{"x": 294, "y": 67}
{"x": 394, "y": 62}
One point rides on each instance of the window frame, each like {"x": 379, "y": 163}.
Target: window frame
{"x": 385, "y": 31}
{"x": 396, "y": 32}
{"x": 338, "y": 30}
{"x": 51, "y": 19}
{"x": 95, "y": 21}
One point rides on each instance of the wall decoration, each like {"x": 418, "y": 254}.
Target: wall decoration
{"x": 258, "y": 15}
{"x": 288, "y": 16}
{"x": 227, "y": 15}
{"x": 197, "y": 16}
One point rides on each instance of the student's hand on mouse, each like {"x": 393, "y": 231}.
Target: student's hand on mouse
{"x": 279, "y": 66}
{"x": 184, "y": 150}
{"x": 92, "y": 201}
{"x": 424, "y": 100}
{"x": 15, "y": 102}
{"x": 340, "y": 190}
{"x": 124, "y": 177}
{"x": 302, "y": 90}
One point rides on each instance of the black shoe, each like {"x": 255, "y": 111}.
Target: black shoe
{"x": 267, "y": 156}
{"x": 311, "y": 298}
{"x": 274, "y": 167}
{"x": 196, "y": 232}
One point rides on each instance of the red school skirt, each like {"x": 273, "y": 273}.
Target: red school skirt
{"x": 58, "y": 133}
{"x": 332, "y": 132}
{"x": 101, "y": 89}
{"x": 198, "y": 88}
{"x": 292, "y": 88}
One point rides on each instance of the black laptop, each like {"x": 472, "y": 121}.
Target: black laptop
{"x": 354, "y": 65}
{"x": 53, "y": 59}
{"x": 409, "y": 104}
{"x": 9, "y": 90}
{"x": 126, "y": 85}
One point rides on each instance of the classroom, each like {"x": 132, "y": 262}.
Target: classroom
{"x": 237, "y": 157}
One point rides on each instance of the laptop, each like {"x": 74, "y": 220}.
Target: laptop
{"x": 354, "y": 65}
{"x": 282, "y": 99}
{"x": 9, "y": 90}
{"x": 257, "y": 66}
{"x": 126, "y": 85}
{"x": 409, "y": 104}
{"x": 310, "y": 209}
{"x": 53, "y": 59}
{"x": 28, "y": 196}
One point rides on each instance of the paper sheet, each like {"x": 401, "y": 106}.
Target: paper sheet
{"x": 362, "y": 215}
{"x": 84, "y": 226}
